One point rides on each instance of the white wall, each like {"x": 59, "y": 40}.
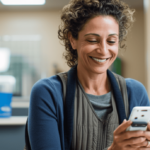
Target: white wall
{"x": 46, "y": 24}
{"x": 147, "y": 42}
{"x": 133, "y": 59}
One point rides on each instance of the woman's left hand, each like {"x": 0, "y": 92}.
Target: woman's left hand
{"x": 145, "y": 144}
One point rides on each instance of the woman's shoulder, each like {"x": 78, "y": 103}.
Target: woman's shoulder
{"x": 137, "y": 92}
{"x": 50, "y": 83}
{"x": 47, "y": 89}
{"x": 134, "y": 84}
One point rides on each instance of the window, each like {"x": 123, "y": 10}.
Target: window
{"x": 23, "y": 64}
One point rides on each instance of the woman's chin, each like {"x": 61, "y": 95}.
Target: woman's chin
{"x": 98, "y": 70}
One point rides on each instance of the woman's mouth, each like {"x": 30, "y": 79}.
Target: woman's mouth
{"x": 99, "y": 60}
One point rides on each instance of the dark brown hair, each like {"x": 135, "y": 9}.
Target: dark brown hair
{"x": 78, "y": 12}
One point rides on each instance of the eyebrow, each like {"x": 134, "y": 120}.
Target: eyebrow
{"x": 113, "y": 34}
{"x": 99, "y": 35}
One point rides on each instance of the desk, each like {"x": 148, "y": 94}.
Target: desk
{"x": 13, "y": 120}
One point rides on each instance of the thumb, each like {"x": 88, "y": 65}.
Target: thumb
{"x": 121, "y": 128}
{"x": 148, "y": 126}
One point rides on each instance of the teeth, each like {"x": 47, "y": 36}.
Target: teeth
{"x": 99, "y": 60}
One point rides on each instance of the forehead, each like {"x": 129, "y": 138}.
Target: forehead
{"x": 101, "y": 25}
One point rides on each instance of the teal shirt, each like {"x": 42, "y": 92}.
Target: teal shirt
{"x": 101, "y": 104}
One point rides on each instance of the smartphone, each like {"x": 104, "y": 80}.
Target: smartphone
{"x": 140, "y": 116}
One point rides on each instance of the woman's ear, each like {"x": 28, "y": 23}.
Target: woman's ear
{"x": 72, "y": 41}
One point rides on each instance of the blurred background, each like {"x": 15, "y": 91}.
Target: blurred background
{"x": 30, "y": 50}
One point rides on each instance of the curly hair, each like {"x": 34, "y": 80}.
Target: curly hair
{"x": 76, "y": 14}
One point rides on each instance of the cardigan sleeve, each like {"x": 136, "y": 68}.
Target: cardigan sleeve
{"x": 137, "y": 94}
{"x": 44, "y": 113}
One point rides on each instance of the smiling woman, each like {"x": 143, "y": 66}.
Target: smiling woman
{"x": 97, "y": 47}
{"x": 84, "y": 108}
{"x": 77, "y": 13}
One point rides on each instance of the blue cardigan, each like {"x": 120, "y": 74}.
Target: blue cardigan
{"x": 46, "y": 119}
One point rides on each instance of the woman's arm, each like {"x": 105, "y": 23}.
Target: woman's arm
{"x": 137, "y": 94}
{"x": 44, "y": 114}
{"x": 128, "y": 140}
{"x": 123, "y": 140}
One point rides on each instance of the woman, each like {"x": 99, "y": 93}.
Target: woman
{"x": 82, "y": 109}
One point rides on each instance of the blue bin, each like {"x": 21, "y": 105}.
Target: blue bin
{"x": 5, "y": 105}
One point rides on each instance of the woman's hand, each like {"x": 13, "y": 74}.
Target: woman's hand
{"x": 130, "y": 140}
{"x": 147, "y": 135}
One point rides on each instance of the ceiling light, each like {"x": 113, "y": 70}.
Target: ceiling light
{"x": 23, "y": 2}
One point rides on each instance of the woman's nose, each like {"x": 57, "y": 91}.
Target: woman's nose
{"x": 103, "y": 49}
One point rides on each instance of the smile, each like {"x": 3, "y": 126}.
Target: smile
{"x": 99, "y": 60}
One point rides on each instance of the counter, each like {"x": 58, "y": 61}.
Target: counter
{"x": 13, "y": 120}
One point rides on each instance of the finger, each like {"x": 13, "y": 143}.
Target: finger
{"x": 135, "y": 147}
{"x": 145, "y": 143}
{"x": 147, "y": 135}
{"x": 133, "y": 141}
{"x": 129, "y": 134}
{"x": 148, "y": 144}
{"x": 148, "y": 127}
{"x": 122, "y": 127}
{"x": 132, "y": 148}
{"x": 143, "y": 148}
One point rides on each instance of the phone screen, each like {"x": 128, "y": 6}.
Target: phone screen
{"x": 139, "y": 124}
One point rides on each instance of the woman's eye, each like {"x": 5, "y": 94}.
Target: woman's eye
{"x": 111, "y": 41}
{"x": 92, "y": 41}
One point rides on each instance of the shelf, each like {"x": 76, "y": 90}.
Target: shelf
{"x": 14, "y": 120}
{"x": 20, "y": 102}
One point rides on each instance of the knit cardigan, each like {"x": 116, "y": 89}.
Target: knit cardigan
{"x": 46, "y": 113}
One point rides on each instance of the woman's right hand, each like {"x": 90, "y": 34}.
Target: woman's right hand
{"x": 126, "y": 140}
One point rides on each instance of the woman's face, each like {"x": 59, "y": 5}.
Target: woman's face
{"x": 97, "y": 44}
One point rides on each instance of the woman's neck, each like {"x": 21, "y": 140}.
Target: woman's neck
{"x": 92, "y": 83}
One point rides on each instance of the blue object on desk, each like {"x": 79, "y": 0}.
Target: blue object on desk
{"x": 5, "y": 105}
